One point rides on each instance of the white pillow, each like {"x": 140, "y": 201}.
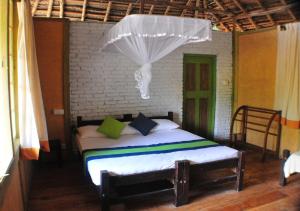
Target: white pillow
{"x": 89, "y": 131}
{"x": 164, "y": 124}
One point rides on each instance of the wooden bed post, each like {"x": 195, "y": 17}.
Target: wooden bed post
{"x": 181, "y": 186}
{"x": 240, "y": 171}
{"x": 282, "y": 179}
{"x": 104, "y": 190}
{"x": 170, "y": 115}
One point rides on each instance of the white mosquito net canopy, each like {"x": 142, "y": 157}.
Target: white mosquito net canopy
{"x": 147, "y": 38}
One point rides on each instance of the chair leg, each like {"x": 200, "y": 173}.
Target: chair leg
{"x": 240, "y": 171}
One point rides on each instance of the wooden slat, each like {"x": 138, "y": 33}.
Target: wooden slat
{"x": 188, "y": 3}
{"x": 61, "y": 10}
{"x": 129, "y": 9}
{"x": 34, "y": 7}
{"x": 168, "y": 8}
{"x": 50, "y": 4}
{"x": 83, "y": 10}
{"x": 268, "y": 15}
{"x": 107, "y": 11}
{"x": 196, "y": 11}
{"x": 151, "y": 10}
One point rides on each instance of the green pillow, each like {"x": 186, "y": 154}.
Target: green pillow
{"x": 111, "y": 127}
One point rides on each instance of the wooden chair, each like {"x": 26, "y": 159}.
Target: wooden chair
{"x": 258, "y": 120}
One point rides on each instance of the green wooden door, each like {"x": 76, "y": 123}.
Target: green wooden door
{"x": 199, "y": 94}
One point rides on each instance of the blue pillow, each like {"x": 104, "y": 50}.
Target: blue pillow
{"x": 143, "y": 124}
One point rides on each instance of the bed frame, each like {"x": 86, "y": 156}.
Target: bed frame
{"x": 118, "y": 188}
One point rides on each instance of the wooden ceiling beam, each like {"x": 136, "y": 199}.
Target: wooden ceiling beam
{"x": 196, "y": 11}
{"x": 107, "y": 11}
{"x": 61, "y": 8}
{"x": 288, "y": 10}
{"x": 49, "y": 10}
{"x": 176, "y": 5}
{"x": 188, "y": 3}
{"x": 168, "y": 8}
{"x": 221, "y": 23}
{"x": 245, "y": 13}
{"x": 34, "y": 7}
{"x": 129, "y": 8}
{"x": 235, "y": 23}
{"x": 261, "y": 12}
{"x": 83, "y": 10}
{"x": 151, "y": 9}
{"x": 268, "y": 15}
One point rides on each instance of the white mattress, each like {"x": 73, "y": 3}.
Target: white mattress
{"x": 292, "y": 165}
{"x": 151, "y": 162}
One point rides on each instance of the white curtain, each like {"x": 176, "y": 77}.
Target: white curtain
{"x": 32, "y": 121}
{"x": 147, "y": 38}
{"x": 287, "y": 97}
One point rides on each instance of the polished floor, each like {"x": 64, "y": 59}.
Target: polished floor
{"x": 65, "y": 188}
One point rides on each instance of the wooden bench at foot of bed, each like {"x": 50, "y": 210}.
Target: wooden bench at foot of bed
{"x": 117, "y": 188}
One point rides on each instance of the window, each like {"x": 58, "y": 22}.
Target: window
{"x": 6, "y": 149}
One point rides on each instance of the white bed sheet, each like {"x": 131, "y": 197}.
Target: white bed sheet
{"x": 152, "y": 162}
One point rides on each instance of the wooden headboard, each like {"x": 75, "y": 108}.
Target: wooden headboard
{"x": 125, "y": 118}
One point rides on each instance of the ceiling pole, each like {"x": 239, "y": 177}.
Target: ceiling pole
{"x": 83, "y": 10}
{"x": 34, "y": 7}
{"x": 107, "y": 11}
{"x": 61, "y": 10}
{"x": 49, "y": 10}
{"x": 188, "y": 3}
{"x": 151, "y": 9}
{"x": 129, "y": 8}
{"x": 142, "y": 4}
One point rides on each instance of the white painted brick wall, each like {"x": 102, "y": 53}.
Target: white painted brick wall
{"x": 103, "y": 83}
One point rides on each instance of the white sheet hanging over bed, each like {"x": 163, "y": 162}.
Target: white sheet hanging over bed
{"x": 147, "y": 38}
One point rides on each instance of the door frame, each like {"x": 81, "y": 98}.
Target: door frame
{"x": 196, "y": 57}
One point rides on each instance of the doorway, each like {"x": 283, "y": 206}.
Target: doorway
{"x": 199, "y": 94}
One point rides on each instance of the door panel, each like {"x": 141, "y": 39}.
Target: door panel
{"x": 199, "y": 94}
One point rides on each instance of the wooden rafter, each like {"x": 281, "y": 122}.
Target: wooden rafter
{"x": 61, "y": 8}
{"x": 129, "y": 8}
{"x": 268, "y": 15}
{"x": 151, "y": 9}
{"x": 245, "y": 13}
{"x": 107, "y": 11}
{"x": 83, "y": 10}
{"x": 49, "y": 10}
{"x": 196, "y": 11}
{"x": 168, "y": 8}
{"x": 235, "y": 23}
{"x": 205, "y": 7}
{"x": 188, "y": 3}
{"x": 268, "y": 11}
{"x": 288, "y": 10}
{"x": 220, "y": 22}
{"x": 34, "y": 7}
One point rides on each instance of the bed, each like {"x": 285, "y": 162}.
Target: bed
{"x": 168, "y": 164}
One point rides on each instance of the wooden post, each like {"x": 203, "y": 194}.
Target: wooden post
{"x": 181, "y": 186}
{"x": 240, "y": 171}
{"x": 282, "y": 179}
{"x": 104, "y": 190}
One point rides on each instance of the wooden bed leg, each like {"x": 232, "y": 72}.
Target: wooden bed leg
{"x": 286, "y": 155}
{"x": 240, "y": 171}
{"x": 104, "y": 190}
{"x": 181, "y": 186}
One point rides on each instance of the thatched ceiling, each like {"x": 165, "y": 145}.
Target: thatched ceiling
{"x": 225, "y": 14}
